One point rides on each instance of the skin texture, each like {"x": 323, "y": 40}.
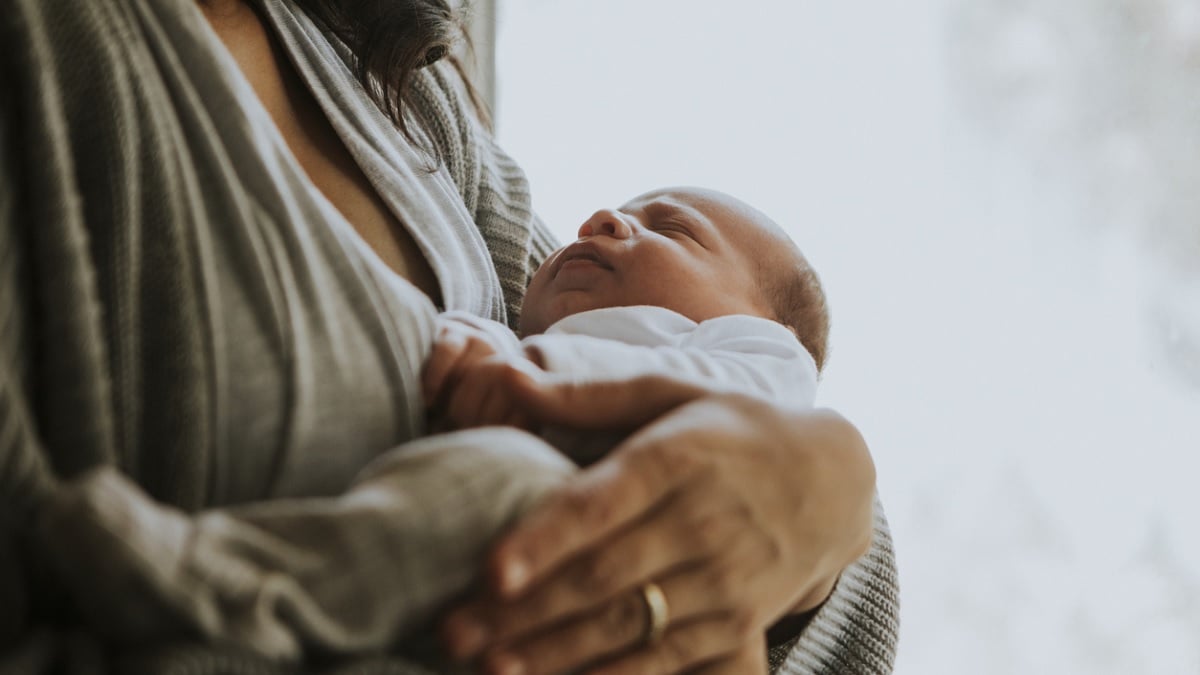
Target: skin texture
{"x": 695, "y": 251}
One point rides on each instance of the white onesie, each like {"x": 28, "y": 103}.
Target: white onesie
{"x": 729, "y": 354}
{"x": 736, "y": 353}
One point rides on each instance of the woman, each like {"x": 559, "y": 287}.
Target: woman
{"x": 217, "y": 259}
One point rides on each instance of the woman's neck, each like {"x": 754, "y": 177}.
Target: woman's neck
{"x": 222, "y": 11}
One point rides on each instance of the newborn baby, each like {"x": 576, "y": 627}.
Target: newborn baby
{"x": 685, "y": 282}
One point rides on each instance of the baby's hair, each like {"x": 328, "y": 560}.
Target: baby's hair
{"x": 798, "y": 300}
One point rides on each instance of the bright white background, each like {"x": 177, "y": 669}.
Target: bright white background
{"x": 1003, "y": 199}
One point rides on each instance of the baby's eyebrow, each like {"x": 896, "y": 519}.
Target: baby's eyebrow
{"x": 701, "y": 227}
{"x": 668, "y": 208}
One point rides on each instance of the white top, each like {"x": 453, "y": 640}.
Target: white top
{"x": 737, "y": 353}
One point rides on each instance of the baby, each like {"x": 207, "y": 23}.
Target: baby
{"x": 685, "y": 282}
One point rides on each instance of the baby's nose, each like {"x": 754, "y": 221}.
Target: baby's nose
{"x": 605, "y": 222}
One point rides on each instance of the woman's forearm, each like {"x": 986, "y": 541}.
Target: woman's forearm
{"x": 753, "y": 510}
{"x": 840, "y": 446}
{"x": 856, "y": 628}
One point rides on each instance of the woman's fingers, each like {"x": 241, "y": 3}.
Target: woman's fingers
{"x": 662, "y": 545}
{"x": 623, "y": 648}
{"x": 607, "y": 406}
{"x": 606, "y": 497}
{"x": 608, "y": 630}
{"x": 453, "y": 350}
{"x": 688, "y": 647}
{"x": 480, "y": 392}
{"x": 560, "y": 621}
{"x": 605, "y": 627}
{"x": 585, "y": 406}
{"x": 465, "y": 402}
{"x": 447, "y": 348}
{"x": 790, "y": 487}
{"x": 751, "y": 659}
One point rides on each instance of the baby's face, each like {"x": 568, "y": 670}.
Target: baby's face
{"x": 690, "y": 250}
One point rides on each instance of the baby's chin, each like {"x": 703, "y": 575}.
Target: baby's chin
{"x": 545, "y": 313}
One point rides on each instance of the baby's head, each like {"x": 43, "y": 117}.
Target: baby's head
{"x": 698, "y": 252}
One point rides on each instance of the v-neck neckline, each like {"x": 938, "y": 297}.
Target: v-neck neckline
{"x": 337, "y": 219}
{"x": 427, "y": 203}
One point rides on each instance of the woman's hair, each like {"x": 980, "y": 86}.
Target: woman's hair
{"x": 391, "y": 40}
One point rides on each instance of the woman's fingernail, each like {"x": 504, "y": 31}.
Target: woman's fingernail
{"x": 468, "y": 636}
{"x": 506, "y": 664}
{"x": 514, "y": 576}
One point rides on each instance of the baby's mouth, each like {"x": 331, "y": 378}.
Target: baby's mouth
{"x": 579, "y": 255}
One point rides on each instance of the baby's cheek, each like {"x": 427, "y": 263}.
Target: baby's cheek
{"x": 532, "y": 312}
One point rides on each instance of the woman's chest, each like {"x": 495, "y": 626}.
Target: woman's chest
{"x": 316, "y": 146}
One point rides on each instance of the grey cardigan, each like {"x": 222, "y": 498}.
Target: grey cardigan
{"x": 173, "y": 291}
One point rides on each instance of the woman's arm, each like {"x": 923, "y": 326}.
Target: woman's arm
{"x": 855, "y": 629}
{"x": 740, "y": 511}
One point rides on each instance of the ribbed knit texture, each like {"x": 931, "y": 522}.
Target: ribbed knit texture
{"x": 856, "y": 630}
{"x": 492, "y": 185}
{"x": 75, "y": 314}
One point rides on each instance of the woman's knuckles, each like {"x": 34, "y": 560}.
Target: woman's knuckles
{"x": 589, "y": 509}
{"x": 584, "y": 585}
{"x": 702, "y": 521}
{"x": 594, "y": 577}
{"x": 623, "y": 617}
{"x": 550, "y": 654}
{"x": 613, "y": 629}
{"x": 538, "y": 610}
{"x": 708, "y": 534}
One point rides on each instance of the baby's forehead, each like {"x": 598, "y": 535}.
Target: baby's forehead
{"x": 736, "y": 220}
{"x": 706, "y": 201}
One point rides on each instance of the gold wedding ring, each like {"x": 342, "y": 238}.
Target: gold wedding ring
{"x": 657, "y": 612}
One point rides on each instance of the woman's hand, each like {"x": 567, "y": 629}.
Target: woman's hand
{"x": 455, "y": 347}
{"x": 469, "y": 378}
{"x": 740, "y": 512}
